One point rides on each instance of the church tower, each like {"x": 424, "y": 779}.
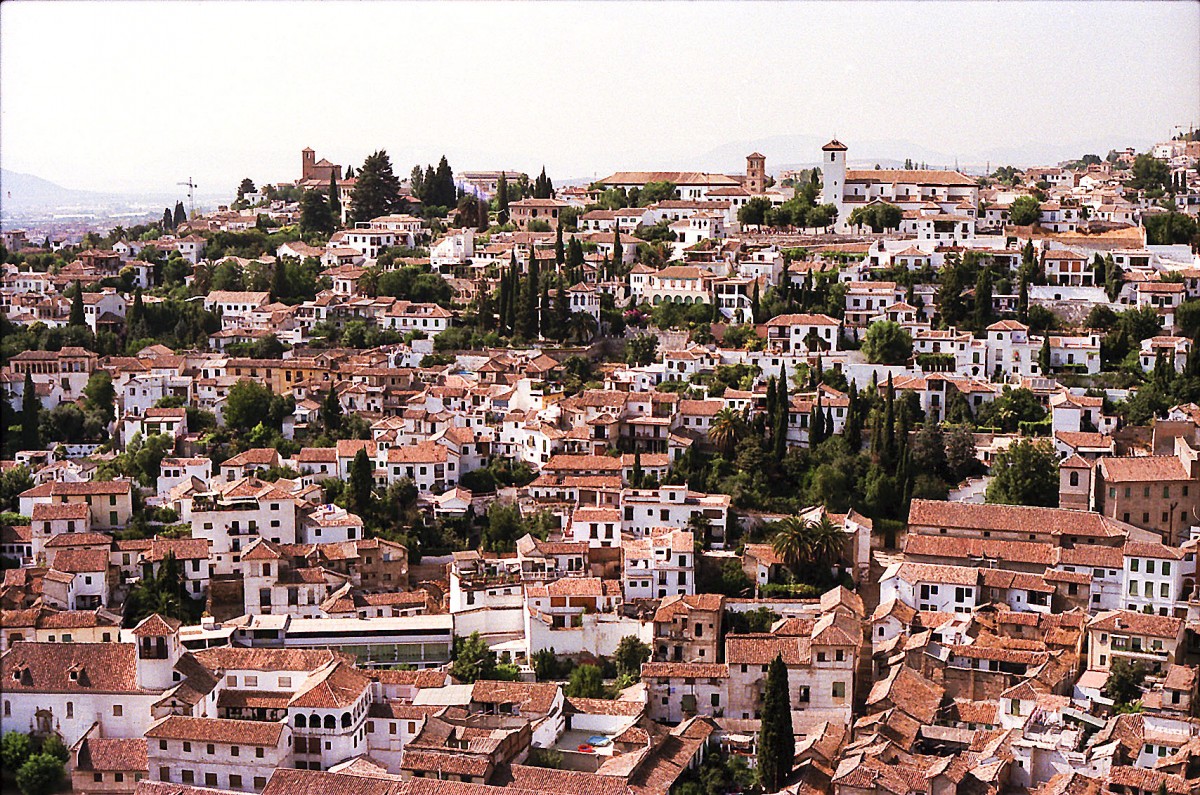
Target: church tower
{"x": 833, "y": 177}
{"x": 756, "y": 173}
{"x": 308, "y": 162}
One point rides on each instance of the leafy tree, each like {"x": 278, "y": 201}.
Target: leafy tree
{"x": 247, "y": 404}
{"x": 331, "y": 411}
{"x": 754, "y": 212}
{"x": 878, "y": 216}
{"x": 1025, "y": 211}
{"x": 1124, "y": 685}
{"x": 1149, "y": 173}
{"x": 631, "y": 653}
{"x": 1010, "y": 409}
{"x": 315, "y": 215}
{"x": 77, "y": 317}
{"x": 247, "y": 186}
{"x": 40, "y": 775}
{"x": 100, "y": 395}
{"x": 887, "y": 342}
{"x": 54, "y": 746}
{"x": 1025, "y": 474}
{"x": 13, "y": 481}
{"x": 30, "y": 409}
{"x": 641, "y": 350}
{"x": 360, "y": 492}
{"x": 807, "y": 544}
{"x": 776, "y": 743}
{"x": 473, "y": 659}
{"x": 1164, "y": 229}
{"x": 335, "y": 200}
{"x": 15, "y": 749}
{"x": 377, "y": 189}
{"x": 586, "y": 682}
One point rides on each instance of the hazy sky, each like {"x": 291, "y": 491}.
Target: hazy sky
{"x": 140, "y": 95}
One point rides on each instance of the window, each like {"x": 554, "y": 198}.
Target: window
{"x": 839, "y": 689}
{"x": 258, "y": 753}
{"x": 235, "y": 781}
{"x": 235, "y": 751}
{"x": 162, "y": 745}
{"x": 210, "y": 779}
{"x": 188, "y": 776}
{"x": 210, "y": 749}
{"x": 118, "y": 710}
{"x": 285, "y": 681}
{"x": 70, "y": 709}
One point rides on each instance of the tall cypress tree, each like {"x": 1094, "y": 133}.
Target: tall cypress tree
{"x": 527, "y": 306}
{"x": 852, "y": 431}
{"x": 29, "y": 415}
{"x": 559, "y": 253}
{"x": 618, "y": 256}
{"x": 754, "y": 305}
{"x": 776, "y": 743}
{"x": 77, "y": 317}
{"x": 888, "y": 453}
{"x": 335, "y": 200}
{"x": 1023, "y": 299}
{"x": 983, "y": 299}
{"x": 502, "y": 200}
{"x": 168, "y": 220}
{"x": 562, "y": 311}
{"x": 180, "y": 214}
{"x": 502, "y": 303}
{"x": 331, "y": 411}
{"x": 361, "y": 481}
{"x": 772, "y": 397}
{"x": 545, "y": 316}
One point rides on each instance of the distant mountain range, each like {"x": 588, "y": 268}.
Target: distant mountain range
{"x": 19, "y": 190}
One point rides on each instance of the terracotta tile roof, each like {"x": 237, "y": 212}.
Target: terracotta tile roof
{"x": 66, "y": 540}
{"x": 217, "y": 730}
{"x": 575, "y": 782}
{"x": 337, "y": 686}
{"x": 79, "y": 561}
{"x": 533, "y": 698}
{"x": 105, "y": 754}
{"x": 48, "y": 512}
{"x": 1136, "y": 623}
{"x": 227, "y": 657}
{"x": 155, "y": 625}
{"x": 1011, "y": 518}
{"x": 763, "y": 648}
{"x": 46, "y": 667}
{"x": 1143, "y": 469}
{"x": 681, "y": 670}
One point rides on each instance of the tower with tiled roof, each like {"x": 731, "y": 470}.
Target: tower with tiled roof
{"x": 756, "y": 173}
{"x": 833, "y": 175}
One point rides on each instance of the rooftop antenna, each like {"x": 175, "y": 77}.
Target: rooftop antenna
{"x": 191, "y": 186}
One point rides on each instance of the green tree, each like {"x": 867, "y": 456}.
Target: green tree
{"x": 247, "y": 186}
{"x": 726, "y": 431}
{"x": 1124, "y": 685}
{"x": 100, "y": 395}
{"x": 586, "y": 682}
{"x": 40, "y": 775}
{"x": 754, "y": 212}
{"x": 473, "y": 659}
{"x": 77, "y": 317}
{"x": 1025, "y": 474}
{"x": 502, "y": 214}
{"x": 331, "y": 411}
{"x": 1044, "y": 356}
{"x": 376, "y": 189}
{"x": 180, "y": 217}
{"x": 315, "y": 215}
{"x": 1025, "y": 211}
{"x": 247, "y": 404}
{"x": 887, "y": 342}
{"x": 15, "y": 749}
{"x": 776, "y": 743}
{"x": 335, "y": 200}
{"x": 631, "y": 653}
{"x": 360, "y": 491}
{"x": 640, "y": 350}
{"x": 878, "y": 216}
{"x": 54, "y": 746}
{"x": 30, "y": 421}
{"x": 983, "y": 300}
{"x": 1149, "y": 173}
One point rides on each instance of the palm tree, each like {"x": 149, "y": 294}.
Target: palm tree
{"x": 826, "y": 540}
{"x": 583, "y": 326}
{"x": 790, "y": 542}
{"x": 804, "y": 542}
{"x": 725, "y": 431}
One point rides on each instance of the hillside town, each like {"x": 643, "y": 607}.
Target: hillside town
{"x": 827, "y": 481}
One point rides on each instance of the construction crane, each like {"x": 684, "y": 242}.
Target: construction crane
{"x": 191, "y": 186}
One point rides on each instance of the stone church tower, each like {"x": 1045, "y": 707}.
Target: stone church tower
{"x": 756, "y": 174}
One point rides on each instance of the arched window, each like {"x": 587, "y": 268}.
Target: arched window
{"x": 345, "y": 720}
{"x": 330, "y": 722}
{"x": 301, "y": 722}
{"x": 1074, "y": 478}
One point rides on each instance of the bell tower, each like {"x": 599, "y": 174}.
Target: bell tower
{"x": 756, "y": 173}
{"x": 308, "y": 163}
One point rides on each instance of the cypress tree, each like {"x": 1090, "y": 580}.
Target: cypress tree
{"x": 636, "y": 479}
{"x": 782, "y": 386}
{"x": 168, "y": 220}
{"x": 1023, "y": 300}
{"x": 502, "y": 200}
{"x": 502, "y": 303}
{"x": 527, "y": 306}
{"x": 545, "y": 316}
{"x": 77, "y": 317}
{"x": 618, "y": 255}
{"x": 755, "y": 312}
{"x": 29, "y": 415}
{"x": 776, "y": 744}
{"x": 852, "y": 431}
{"x": 331, "y": 411}
{"x": 983, "y": 299}
{"x": 180, "y": 214}
{"x": 360, "y": 484}
{"x": 772, "y": 397}
{"x": 514, "y": 291}
{"x": 562, "y": 311}
{"x": 888, "y": 436}
{"x": 560, "y": 255}
{"x": 335, "y": 200}
{"x": 1044, "y": 355}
